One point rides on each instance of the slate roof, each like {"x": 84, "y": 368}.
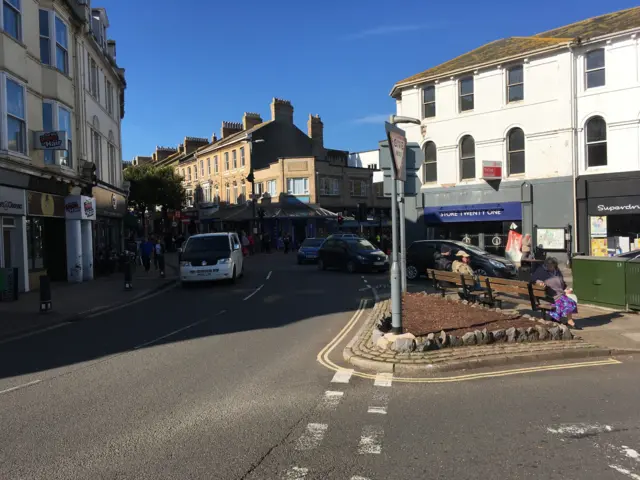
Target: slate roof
{"x": 232, "y": 138}
{"x": 516, "y": 47}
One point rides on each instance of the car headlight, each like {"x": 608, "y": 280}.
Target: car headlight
{"x": 224, "y": 260}
{"x": 185, "y": 264}
{"x": 497, "y": 264}
{"x": 360, "y": 257}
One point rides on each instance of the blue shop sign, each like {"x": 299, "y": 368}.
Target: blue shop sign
{"x": 484, "y": 212}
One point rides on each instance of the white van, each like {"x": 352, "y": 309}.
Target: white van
{"x": 211, "y": 256}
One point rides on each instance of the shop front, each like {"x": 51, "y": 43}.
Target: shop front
{"x": 111, "y": 207}
{"x": 608, "y": 210}
{"x": 484, "y": 214}
{"x": 46, "y": 237}
{"x": 13, "y": 235}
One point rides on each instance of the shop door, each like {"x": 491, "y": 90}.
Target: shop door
{"x": 6, "y": 248}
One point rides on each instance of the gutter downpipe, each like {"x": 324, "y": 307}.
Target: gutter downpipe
{"x": 575, "y": 146}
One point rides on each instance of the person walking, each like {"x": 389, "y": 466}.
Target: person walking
{"x": 252, "y": 244}
{"x": 286, "y": 243}
{"x": 245, "y": 244}
{"x": 159, "y": 256}
{"x": 146, "y": 250}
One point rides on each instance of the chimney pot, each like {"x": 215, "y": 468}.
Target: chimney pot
{"x": 281, "y": 110}
{"x": 250, "y": 120}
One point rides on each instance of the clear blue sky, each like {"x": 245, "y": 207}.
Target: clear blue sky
{"x": 192, "y": 63}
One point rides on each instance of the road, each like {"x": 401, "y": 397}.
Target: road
{"x": 222, "y": 382}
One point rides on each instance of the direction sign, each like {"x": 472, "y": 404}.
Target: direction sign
{"x": 398, "y": 148}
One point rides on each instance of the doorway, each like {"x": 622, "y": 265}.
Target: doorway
{"x": 6, "y": 249}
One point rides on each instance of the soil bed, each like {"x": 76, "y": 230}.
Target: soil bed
{"x": 424, "y": 314}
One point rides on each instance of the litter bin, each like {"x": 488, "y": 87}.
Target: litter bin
{"x": 8, "y": 284}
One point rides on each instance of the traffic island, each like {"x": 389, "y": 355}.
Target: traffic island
{"x": 444, "y": 334}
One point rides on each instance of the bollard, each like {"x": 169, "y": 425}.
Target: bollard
{"x": 45, "y": 294}
{"x": 161, "y": 265}
{"x": 127, "y": 276}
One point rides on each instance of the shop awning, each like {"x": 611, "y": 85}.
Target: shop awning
{"x": 483, "y": 212}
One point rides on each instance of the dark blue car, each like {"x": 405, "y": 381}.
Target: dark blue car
{"x": 308, "y": 251}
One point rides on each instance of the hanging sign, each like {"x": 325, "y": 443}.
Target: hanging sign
{"x": 56, "y": 140}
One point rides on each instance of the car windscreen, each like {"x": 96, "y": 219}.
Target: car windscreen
{"x": 360, "y": 244}
{"x": 631, "y": 254}
{"x": 472, "y": 248}
{"x": 312, "y": 242}
{"x": 207, "y": 244}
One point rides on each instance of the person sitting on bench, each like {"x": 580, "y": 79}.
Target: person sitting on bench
{"x": 442, "y": 259}
{"x": 549, "y": 276}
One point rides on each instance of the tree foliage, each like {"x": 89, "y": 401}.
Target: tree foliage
{"x": 153, "y": 186}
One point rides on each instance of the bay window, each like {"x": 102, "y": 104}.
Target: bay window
{"x": 298, "y": 186}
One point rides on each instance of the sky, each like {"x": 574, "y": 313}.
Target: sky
{"x": 190, "y": 64}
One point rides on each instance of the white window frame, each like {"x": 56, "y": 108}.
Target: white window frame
{"x": 272, "y": 187}
{"x": 472, "y": 94}
{"x": 243, "y": 191}
{"x": 234, "y": 156}
{"x": 20, "y": 17}
{"x": 95, "y": 134}
{"x": 109, "y": 94}
{"x": 195, "y": 171}
{"x": 209, "y": 166}
{"x": 227, "y": 191}
{"x": 259, "y": 187}
{"x": 603, "y": 68}
{"x": 242, "y": 158}
{"x": 202, "y": 168}
{"x": 512, "y": 85}
{"x": 94, "y": 90}
{"x": 294, "y": 183}
{"x": 329, "y": 187}
{"x": 226, "y": 161}
{"x": 604, "y": 142}
{"x": 430, "y": 102}
{"x": 215, "y": 164}
{"x": 4, "y": 145}
{"x": 55, "y": 112}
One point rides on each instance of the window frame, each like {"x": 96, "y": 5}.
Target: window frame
{"x": 462, "y": 158}
{"x": 511, "y": 152}
{"x": 428, "y": 103}
{"x": 292, "y": 184}
{"x": 109, "y": 94}
{"x": 588, "y": 70}
{"x": 364, "y": 190}
{"x": 5, "y": 78}
{"x": 604, "y": 142}
{"x": 234, "y": 158}
{"x": 208, "y": 165}
{"x": 516, "y": 84}
{"x": 461, "y": 95}
{"x": 96, "y": 134}
{"x": 202, "y": 168}
{"x": 215, "y": 164}
{"x": 226, "y": 161}
{"x": 242, "y": 157}
{"x": 111, "y": 158}
{"x": 18, "y": 11}
{"x": 94, "y": 90}
{"x": 435, "y": 161}
{"x": 268, "y": 190}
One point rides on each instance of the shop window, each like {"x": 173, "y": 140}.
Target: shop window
{"x": 467, "y": 158}
{"x": 596, "y": 142}
{"x": 430, "y": 163}
{"x": 35, "y": 243}
{"x": 515, "y": 151}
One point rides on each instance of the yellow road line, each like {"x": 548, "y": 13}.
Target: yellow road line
{"x": 323, "y": 359}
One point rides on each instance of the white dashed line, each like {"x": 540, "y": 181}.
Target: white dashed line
{"x": 626, "y": 472}
{"x": 342, "y": 376}
{"x": 331, "y": 399}
{"x": 380, "y": 402}
{"x": 18, "y": 387}
{"x": 295, "y": 473}
{"x": 253, "y": 293}
{"x": 194, "y": 324}
{"x": 371, "y": 440}
{"x": 630, "y": 452}
{"x": 358, "y": 477}
{"x": 269, "y": 275}
{"x": 383, "y": 380}
{"x": 312, "y": 437}
{"x": 380, "y": 410}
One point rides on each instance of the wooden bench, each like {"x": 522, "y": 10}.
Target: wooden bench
{"x": 443, "y": 281}
{"x": 496, "y": 288}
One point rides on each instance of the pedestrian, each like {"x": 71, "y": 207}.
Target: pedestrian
{"x": 286, "y": 243}
{"x": 564, "y": 301}
{"x": 252, "y": 244}
{"x": 462, "y": 264}
{"x": 245, "y": 242}
{"x": 159, "y": 256}
{"x": 442, "y": 259}
{"x": 527, "y": 261}
{"x": 146, "y": 250}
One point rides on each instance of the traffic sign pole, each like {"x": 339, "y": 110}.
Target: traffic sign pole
{"x": 403, "y": 241}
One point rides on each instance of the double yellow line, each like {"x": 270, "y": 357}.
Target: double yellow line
{"x": 323, "y": 359}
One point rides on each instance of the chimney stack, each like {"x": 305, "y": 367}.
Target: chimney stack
{"x": 281, "y": 110}
{"x": 315, "y": 130}
{"x": 214, "y": 139}
{"x": 250, "y": 120}
{"x": 229, "y": 128}
{"x": 191, "y": 144}
{"x": 163, "y": 152}
{"x": 111, "y": 48}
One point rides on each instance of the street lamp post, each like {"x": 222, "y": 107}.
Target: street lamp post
{"x": 251, "y": 178}
{"x": 397, "y": 139}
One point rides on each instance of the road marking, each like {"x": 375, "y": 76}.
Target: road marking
{"x": 134, "y": 301}
{"x": 383, "y": 379}
{"x": 331, "y": 399}
{"x": 358, "y": 477}
{"x": 296, "y": 473}
{"x": 626, "y": 472}
{"x": 380, "y": 410}
{"x": 269, "y": 274}
{"x": 24, "y": 385}
{"x": 371, "y": 440}
{"x": 253, "y": 293}
{"x": 342, "y": 376}
{"x": 580, "y": 430}
{"x": 312, "y": 437}
{"x": 194, "y": 324}
{"x": 630, "y": 452}
{"x": 323, "y": 359}
{"x": 36, "y": 332}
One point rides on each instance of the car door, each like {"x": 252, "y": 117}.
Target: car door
{"x": 326, "y": 252}
{"x": 342, "y": 253}
{"x": 236, "y": 253}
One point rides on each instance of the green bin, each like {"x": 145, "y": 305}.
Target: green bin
{"x": 632, "y": 268}
{"x": 601, "y": 281}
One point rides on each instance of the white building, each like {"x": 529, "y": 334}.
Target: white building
{"x": 368, "y": 159}
{"x": 525, "y": 105}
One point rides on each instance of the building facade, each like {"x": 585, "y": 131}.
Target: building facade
{"x": 503, "y": 132}
{"x": 45, "y": 174}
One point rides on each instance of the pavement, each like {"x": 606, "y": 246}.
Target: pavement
{"x": 74, "y": 301}
{"x": 246, "y": 381}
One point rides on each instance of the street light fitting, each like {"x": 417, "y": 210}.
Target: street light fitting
{"x": 395, "y": 119}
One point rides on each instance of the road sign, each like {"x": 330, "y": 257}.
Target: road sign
{"x": 398, "y": 148}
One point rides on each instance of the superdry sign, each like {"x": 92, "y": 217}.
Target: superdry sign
{"x": 56, "y": 140}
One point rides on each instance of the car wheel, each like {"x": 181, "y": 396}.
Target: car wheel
{"x": 321, "y": 265}
{"x": 412, "y": 272}
{"x": 351, "y": 266}
{"x": 233, "y": 276}
{"x": 482, "y": 272}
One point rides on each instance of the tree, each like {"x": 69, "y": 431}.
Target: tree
{"x": 153, "y": 187}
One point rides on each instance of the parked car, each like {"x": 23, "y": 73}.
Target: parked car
{"x": 633, "y": 254}
{"x": 211, "y": 256}
{"x": 308, "y": 251}
{"x": 351, "y": 254}
{"x": 343, "y": 235}
{"x": 420, "y": 256}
